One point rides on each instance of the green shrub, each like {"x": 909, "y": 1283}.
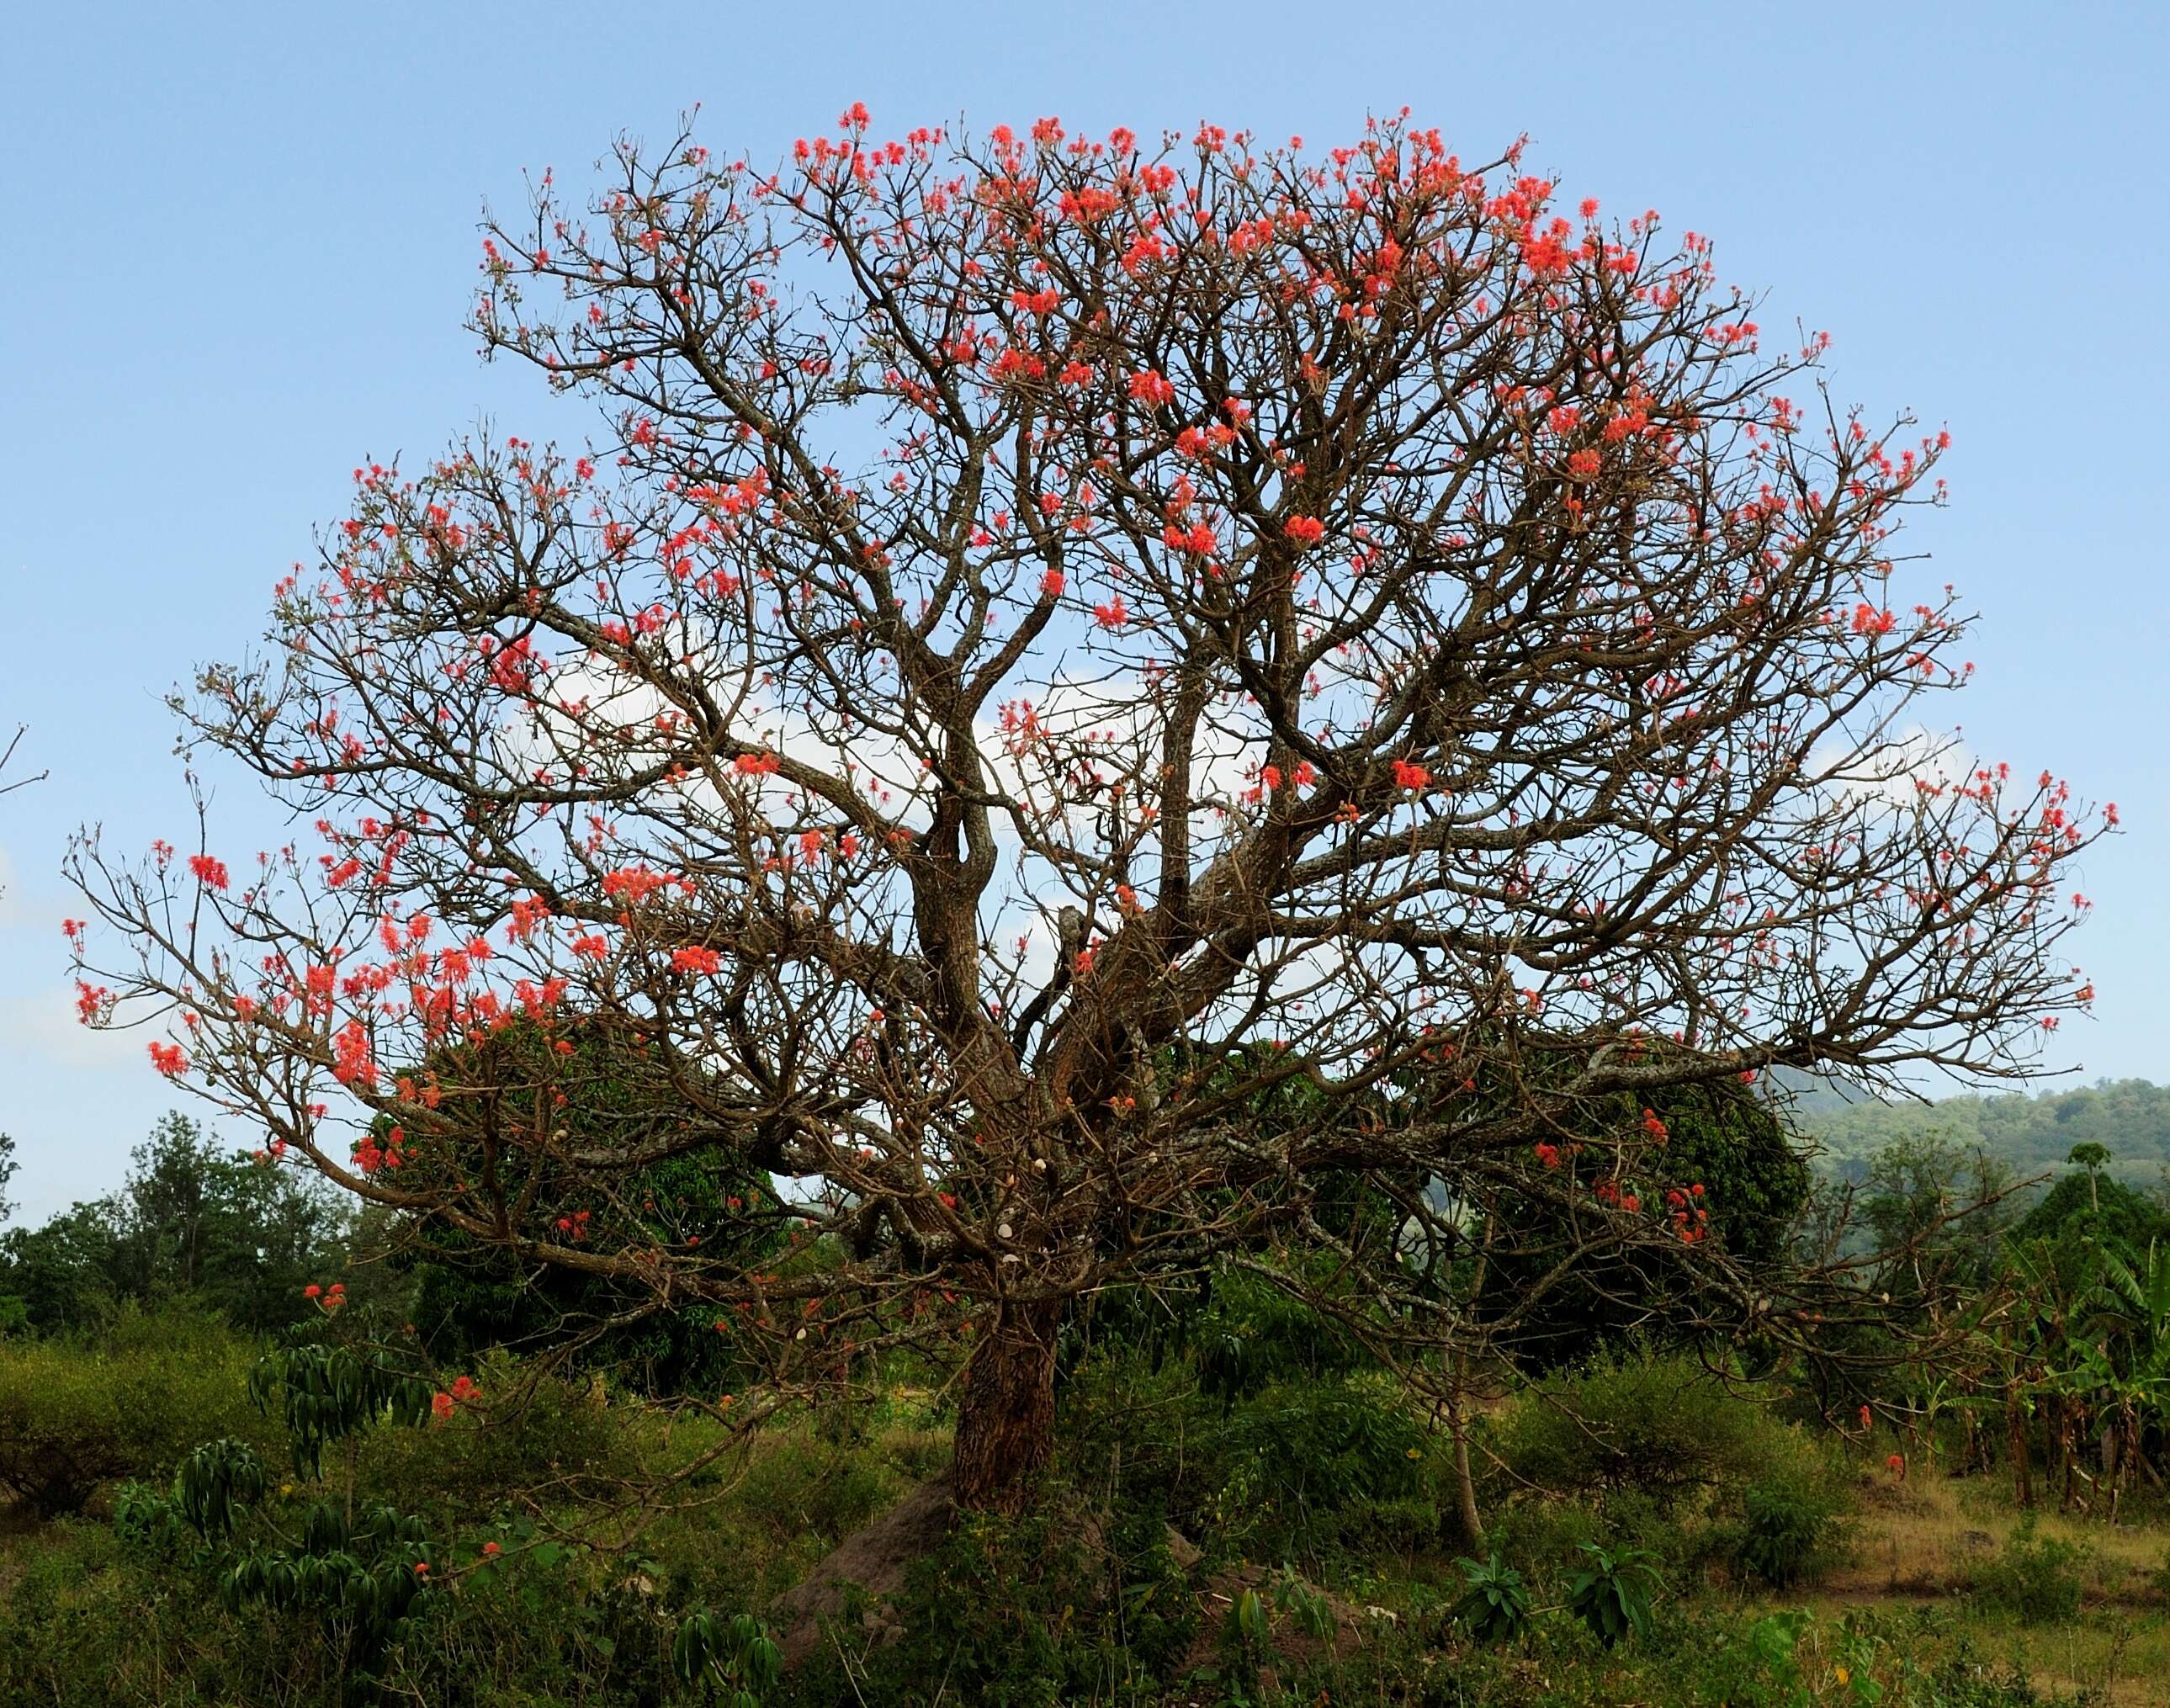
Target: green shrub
{"x": 815, "y": 1491}
{"x": 75, "y": 1414}
{"x": 2036, "y": 1579}
{"x": 1309, "y": 1466}
{"x": 1659, "y": 1427}
{"x": 737, "y": 1656}
{"x": 1784, "y": 1531}
{"x": 1652, "y": 1453}
{"x": 525, "y": 1433}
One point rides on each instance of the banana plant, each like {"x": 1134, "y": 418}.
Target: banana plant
{"x": 2137, "y": 1301}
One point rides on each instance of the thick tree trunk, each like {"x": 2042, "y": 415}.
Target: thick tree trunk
{"x": 1006, "y": 1407}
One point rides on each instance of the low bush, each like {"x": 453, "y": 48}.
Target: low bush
{"x": 1065, "y": 1603}
{"x": 1657, "y": 1427}
{"x": 2036, "y": 1579}
{"x": 1786, "y": 1532}
{"x": 1307, "y": 1469}
{"x": 1652, "y": 1453}
{"x": 526, "y": 1433}
{"x": 78, "y": 1413}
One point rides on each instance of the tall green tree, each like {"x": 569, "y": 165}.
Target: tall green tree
{"x": 471, "y": 1293}
{"x": 191, "y": 1218}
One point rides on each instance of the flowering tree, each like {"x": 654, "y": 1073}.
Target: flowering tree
{"x": 1056, "y": 644}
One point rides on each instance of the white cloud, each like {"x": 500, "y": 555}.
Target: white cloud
{"x": 1892, "y": 768}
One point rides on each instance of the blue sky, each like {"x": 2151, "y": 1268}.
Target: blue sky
{"x": 241, "y": 240}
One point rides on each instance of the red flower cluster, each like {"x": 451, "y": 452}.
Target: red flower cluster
{"x": 462, "y": 1390}
{"x": 1152, "y": 389}
{"x": 370, "y": 1156}
{"x": 1691, "y": 1220}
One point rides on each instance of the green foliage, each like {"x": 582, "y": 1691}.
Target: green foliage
{"x": 215, "y": 1482}
{"x": 1649, "y": 1452}
{"x": 1302, "y": 1606}
{"x": 78, "y": 1413}
{"x": 2100, "y": 1208}
{"x": 241, "y": 1237}
{"x": 1612, "y": 1594}
{"x": 1305, "y": 1461}
{"x": 2029, "y": 1136}
{"x": 1659, "y": 1427}
{"x": 1252, "y": 1417}
{"x": 1783, "y": 1528}
{"x": 1495, "y": 1601}
{"x": 2036, "y": 1579}
{"x": 1755, "y": 1184}
{"x": 358, "y": 1578}
{"x": 608, "y": 1091}
{"x": 1910, "y": 1198}
{"x": 526, "y": 1430}
{"x": 1248, "y": 1335}
{"x": 736, "y": 1655}
{"x": 327, "y": 1393}
{"x": 1067, "y": 1601}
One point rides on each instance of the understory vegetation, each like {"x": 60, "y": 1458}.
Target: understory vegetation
{"x": 1246, "y": 1509}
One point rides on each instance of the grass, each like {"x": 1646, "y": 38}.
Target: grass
{"x": 1926, "y": 1544}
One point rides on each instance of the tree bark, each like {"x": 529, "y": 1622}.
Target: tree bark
{"x": 2015, "y": 1436}
{"x": 1466, "y": 1519}
{"x": 1006, "y": 1407}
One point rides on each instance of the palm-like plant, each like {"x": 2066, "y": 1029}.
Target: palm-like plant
{"x": 2136, "y": 1301}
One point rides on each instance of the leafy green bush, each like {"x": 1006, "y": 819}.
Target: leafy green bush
{"x": 1656, "y": 1426}
{"x": 813, "y": 1493}
{"x": 78, "y": 1413}
{"x": 1315, "y": 1466}
{"x": 736, "y": 1655}
{"x": 525, "y": 1432}
{"x": 1652, "y": 1452}
{"x": 1784, "y": 1529}
{"x": 2036, "y": 1579}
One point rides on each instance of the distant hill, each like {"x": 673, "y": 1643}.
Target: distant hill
{"x": 2131, "y": 1118}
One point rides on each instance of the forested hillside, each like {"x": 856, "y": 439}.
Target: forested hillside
{"x": 2129, "y": 1119}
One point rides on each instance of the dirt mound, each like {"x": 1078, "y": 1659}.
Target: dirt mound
{"x": 1293, "y": 1644}
{"x": 875, "y": 1558}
